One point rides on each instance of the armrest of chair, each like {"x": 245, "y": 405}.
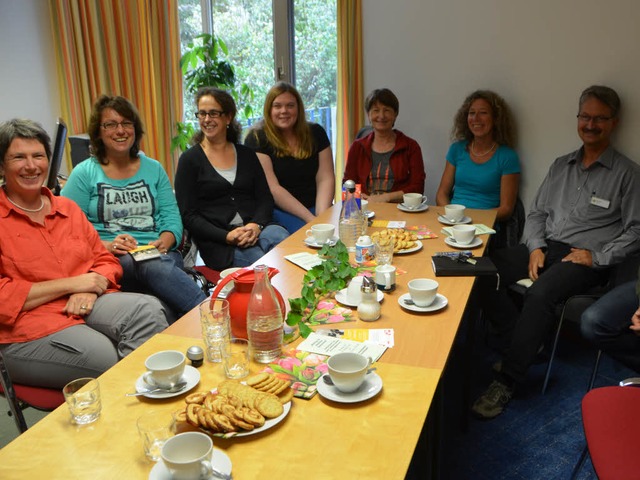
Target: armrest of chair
{"x": 630, "y": 382}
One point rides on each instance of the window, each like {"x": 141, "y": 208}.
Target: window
{"x": 269, "y": 40}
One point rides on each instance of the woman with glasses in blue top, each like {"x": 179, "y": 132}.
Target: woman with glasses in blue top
{"x": 128, "y": 198}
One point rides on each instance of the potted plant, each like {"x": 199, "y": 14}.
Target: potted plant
{"x": 330, "y": 276}
{"x": 204, "y": 63}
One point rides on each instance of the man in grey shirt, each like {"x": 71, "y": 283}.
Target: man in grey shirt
{"x": 584, "y": 219}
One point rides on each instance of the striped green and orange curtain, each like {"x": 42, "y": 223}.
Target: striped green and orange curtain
{"x": 350, "y": 116}
{"x": 121, "y": 47}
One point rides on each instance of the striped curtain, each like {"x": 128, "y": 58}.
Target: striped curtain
{"x": 350, "y": 116}
{"x": 121, "y": 47}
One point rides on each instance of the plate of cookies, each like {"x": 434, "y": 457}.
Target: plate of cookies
{"x": 237, "y": 409}
{"x": 403, "y": 240}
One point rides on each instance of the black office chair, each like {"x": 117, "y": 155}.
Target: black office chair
{"x": 56, "y": 158}
{"x": 571, "y": 309}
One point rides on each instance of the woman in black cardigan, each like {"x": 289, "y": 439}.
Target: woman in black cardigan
{"x": 222, "y": 192}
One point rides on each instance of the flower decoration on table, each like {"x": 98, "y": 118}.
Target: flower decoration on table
{"x": 422, "y": 231}
{"x": 332, "y": 275}
{"x": 302, "y": 369}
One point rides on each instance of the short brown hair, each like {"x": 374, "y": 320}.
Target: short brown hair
{"x": 384, "y": 96}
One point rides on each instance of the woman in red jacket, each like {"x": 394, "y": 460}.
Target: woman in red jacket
{"x": 386, "y": 163}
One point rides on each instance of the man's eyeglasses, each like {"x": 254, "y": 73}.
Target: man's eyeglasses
{"x": 588, "y": 118}
{"x": 202, "y": 115}
{"x": 111, "y": 126}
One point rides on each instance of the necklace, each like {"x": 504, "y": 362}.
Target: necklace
{"x": 482, "y": 154}
{"x": 32, "y": 210}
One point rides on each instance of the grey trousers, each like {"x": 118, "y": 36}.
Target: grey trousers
{"x": 117, "y": 325}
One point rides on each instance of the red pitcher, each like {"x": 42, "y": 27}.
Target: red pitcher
{"x": 239, "y": 296}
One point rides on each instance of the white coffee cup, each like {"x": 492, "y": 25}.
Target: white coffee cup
{"x": 164, "y": 369}
{"x": 463, "y": 234}
{"x": 354, "y": 293}
{"x": 188, "y": 456}
{"x": 386, "y": 277}
{"x": 423, "y": 291}
{"x": 364, "y": 205}
{"x": 347, "y": 370}
{"x": 454, "y": 212}
{"x": 321, "y": 232}
{"x": 413, "y": 200}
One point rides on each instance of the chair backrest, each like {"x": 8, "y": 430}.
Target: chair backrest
{"x": 364, "y": 131}
{"x": 56, "y": 157}
{"x": 10, "y": 395}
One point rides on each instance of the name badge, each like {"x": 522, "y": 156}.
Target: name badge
{"x": 599, "y": 202}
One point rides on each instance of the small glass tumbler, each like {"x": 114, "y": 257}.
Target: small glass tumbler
{"x": 236, "y": 358}
{"x": 154, "y": 428}
{"x": 383, "y": 247}
{"x": 83, "y": 398}
{"x": 214, "y": 320}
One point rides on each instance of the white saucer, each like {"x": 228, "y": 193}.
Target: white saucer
{"x": 341, "y": 297}
{"x": 370, "y": 388}
{"x": 191, "y": 376}
{"x": 311, "y": 242}
{"x": 446, "y": 221}
{"x": 369, "y": 213}
{"x": 421, "y": 208}
{"x": 220, "y": 461}
{"x": 476, "y": 242}
{"x": 439, "y": 303}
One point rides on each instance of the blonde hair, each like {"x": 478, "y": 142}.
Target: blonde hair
{"x": 274, "y": 136}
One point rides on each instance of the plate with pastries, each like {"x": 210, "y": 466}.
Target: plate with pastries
{"x": 239, "y": 409}
{"x": 404, "y": 241}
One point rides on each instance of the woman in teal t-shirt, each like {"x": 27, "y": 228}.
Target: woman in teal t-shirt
{"x": 482, "y": 169}
{"x": 128, "y": 198}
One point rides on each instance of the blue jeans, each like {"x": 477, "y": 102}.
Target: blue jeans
{"x": 269, "y": 238}
{"x": 163, "y": 278}
{"x": 606, "y": 325}
{"x": 289, "y": 221}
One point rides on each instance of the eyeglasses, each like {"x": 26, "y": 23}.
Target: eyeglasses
{"x": 110, "y": 126}
{"x": 588, "y": 118}
{"x": 202, "y": 115}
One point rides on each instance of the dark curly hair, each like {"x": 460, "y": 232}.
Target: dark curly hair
{"x": 125, "y": 108}
{"x": 503, "y": 126}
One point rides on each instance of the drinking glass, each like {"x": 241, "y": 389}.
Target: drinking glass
{"x": 83, "y": 398}
{"x": 214, "y": 320}
{"x": 384, "y": 249}
{"x": 236, "y": 358}
{"x": 154, "y": 428}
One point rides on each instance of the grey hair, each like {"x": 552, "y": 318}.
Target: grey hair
{"x": 22, "y": 128}
{"x": 606, "y": 95}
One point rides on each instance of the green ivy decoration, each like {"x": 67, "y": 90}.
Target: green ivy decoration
{"x": 330, "y": 276}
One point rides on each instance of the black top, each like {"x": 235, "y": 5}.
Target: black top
{"x": 208, "y": 202}
{"x": 297, "y": 176}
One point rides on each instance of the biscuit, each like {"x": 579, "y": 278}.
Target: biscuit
{"x": 256, "y": 379}
{"x": 269, "y": 406}
{"x": 286, "y": 396}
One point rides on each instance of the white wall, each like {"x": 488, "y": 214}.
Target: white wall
{"x": 28, "y": 82}
{"x": 538, "y": 54}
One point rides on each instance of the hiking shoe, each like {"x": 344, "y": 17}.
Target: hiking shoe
{"x": 492, "y": 402}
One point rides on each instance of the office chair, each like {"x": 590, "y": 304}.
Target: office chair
{"x": 20, "y": 397}
{"x": 56, "y": 158}
{"x": 611, "y": 422}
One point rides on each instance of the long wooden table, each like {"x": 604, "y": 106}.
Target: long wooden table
{"x": 319, "y": 438}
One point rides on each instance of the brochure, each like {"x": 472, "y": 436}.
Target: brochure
{"x": 325, "y": 345}
{"x": 145, "y": 252}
